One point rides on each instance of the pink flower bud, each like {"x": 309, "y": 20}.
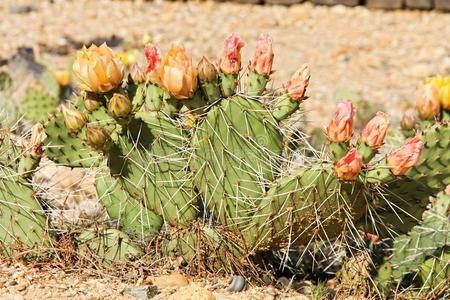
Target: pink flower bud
{"x": 230, "y": 63}
{"x": 263, "y": 59}
{"x": 340, "y": 128}
{"x": 428, "y": 104}
{"x": 406, "y": 157}
{"x": 136, "y": 74}
{"x": 447, "y": 190}
{"x": 296, "y": 87}
{"x": 375, "y": 131}
{"x": 153, "y": 56}
{"x": 349, "y": 167}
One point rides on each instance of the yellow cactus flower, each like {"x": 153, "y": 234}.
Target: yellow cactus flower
{"x": 98, "y": 69}
{"x": 176, "y": 74}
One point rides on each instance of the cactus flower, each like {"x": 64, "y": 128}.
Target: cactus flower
{"x": 97, "y": 69}
{"x": 409, "y": 120}
{"x": 62, "y": 76}
{"x": 176, "y": 74}
{"x": 406, "y": 157}
{"x": 74, "y": 119}
{"x": 153, "y": 57}
{"x": 296, "y": 86}
{"x": 349, "y": 166}
{"x": 206, "y": 71}
{"x": 340, "y": 128}
{"x": 375, "y": 131}
{"x": 443, "y": 86}
{"x": 230, "y": 63}
{"x": 136, "y": 74}
{"x": 119, "y": 106}
{"x": 263, "y": 59}
{"x": 428, "y": 104}
{"x": 96, "y": 136}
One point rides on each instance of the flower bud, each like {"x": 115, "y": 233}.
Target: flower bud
{"x": 97, "y": 69}
{"x": 406, "y": 157}
{"x": 375, "y": 131}
{"x": 153, "y": 56}
{"x": 92, "y": 101}
{"x": 263, "y": 59}
{"x": 119, "y": 106}
{"x": 428, "y": 104}
{"x": 409, "y": 120}
{"x": 207, "y": 72}
{"x": 136, "y": 74}
{"x": 74, "y": 119}
{"x": 176, "y": 74}
{"x": 296, "y": 87}
{"x": 447, "y": 190}
{"x": 96, "y": 136}
{"x": 443, "y": 86}
{"x": 349, "y": 166}
{"x": 230, "y": 63}
{"x": 34, "y": 145}
{"x": 340, "y": 128}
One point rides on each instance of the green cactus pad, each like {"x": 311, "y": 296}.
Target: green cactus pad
{"x": 68, "y": 149}
{"x": 151, "y": 161}
{"x": 108, "y": 245}
{"x": 131, "y": 216}
{"x": 204, "y": 247}
{"x": 234, "y": 153}
{"x": 433, "y": 168}
{"x": 306, "y": 205}
{"x": 38, "y": 105}
{"x": 433, "y": 233}
{"x": 23, "y": 224}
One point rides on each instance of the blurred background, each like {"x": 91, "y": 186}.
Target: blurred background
{"x": 373, "y": 56}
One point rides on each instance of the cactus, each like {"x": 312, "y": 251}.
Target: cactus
{"x": 423, "y": 250}
{"x": 23, "y": 223}
{"x": 37, "y": 105}
{"x": 195, "y": 157}
{"x": 107, "y": 245}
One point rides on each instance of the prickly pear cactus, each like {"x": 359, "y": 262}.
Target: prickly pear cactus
{"x": 23, "y": 223}
{"x": 211, "y": 157}
{"x": 37, "y": 105}
{"x": 423, "y": 250}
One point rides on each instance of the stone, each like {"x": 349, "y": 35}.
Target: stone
{"x": 386, "y": 4}
{"x": 422, "y": 4}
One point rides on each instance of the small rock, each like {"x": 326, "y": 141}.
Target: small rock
{"x": 192, "y": 292}
{"x": 22, "y": 287}
{"x": 11, "y": 283}
{"x": 238, "y": 284}
{"x": 168, "y": 281}
{"x": 20, "y": 9}
{"x": 141, "y": 292}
